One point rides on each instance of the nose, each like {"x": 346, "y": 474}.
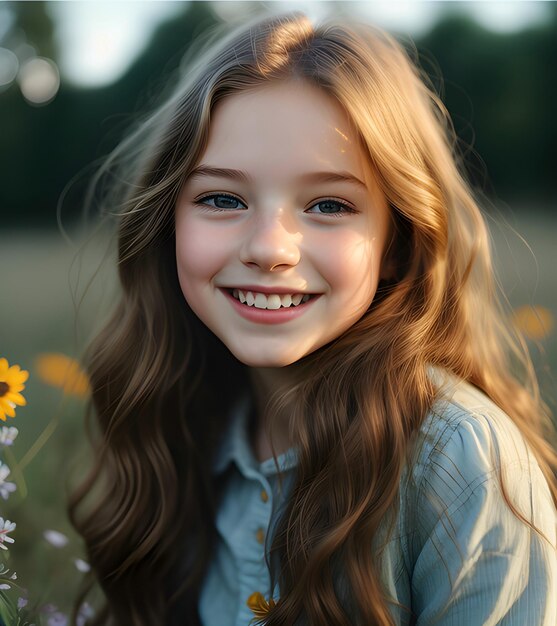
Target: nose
{"x": 270, "y": 245}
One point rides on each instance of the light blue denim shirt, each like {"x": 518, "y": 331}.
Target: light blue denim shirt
{"x": 451, "y": 512}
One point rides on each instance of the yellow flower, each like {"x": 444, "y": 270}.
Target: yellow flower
{"x": 536, "y": 322}
{"x": 259, "y": 605}
{"x": 11, "y": 383}
{"x": 62, "y": 371}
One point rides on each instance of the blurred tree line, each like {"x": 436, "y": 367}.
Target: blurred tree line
{"x": 499, "y": 88}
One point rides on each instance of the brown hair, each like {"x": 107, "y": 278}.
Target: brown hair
{"x": 150, "y": 531}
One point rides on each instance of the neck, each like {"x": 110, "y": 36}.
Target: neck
{"x": 266, "y": 381}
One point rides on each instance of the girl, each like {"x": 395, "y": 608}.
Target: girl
{"x": 311, "y": 408}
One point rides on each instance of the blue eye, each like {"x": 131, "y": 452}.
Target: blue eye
{"x": 325, "y": 204}
{"x": 230, "y": 199}
{"x": 345, "y": 208}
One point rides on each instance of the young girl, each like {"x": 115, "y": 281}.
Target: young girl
{"x": 311, "y": 408}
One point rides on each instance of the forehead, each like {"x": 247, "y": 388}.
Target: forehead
{"x": 282, "y": 130}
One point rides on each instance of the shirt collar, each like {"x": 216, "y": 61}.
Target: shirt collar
{"x": 235, "y": 446}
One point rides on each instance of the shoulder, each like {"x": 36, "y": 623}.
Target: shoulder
{"x": 466, "y": 436}
{"x": 463, "y": 447}
{"x": 464, "y": 547}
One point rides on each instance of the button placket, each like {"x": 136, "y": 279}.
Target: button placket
{"x": 263, "y": 512}
{"x": 260, "y": 535}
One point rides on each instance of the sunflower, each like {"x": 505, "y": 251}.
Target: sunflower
{"x": 11, "y": 383}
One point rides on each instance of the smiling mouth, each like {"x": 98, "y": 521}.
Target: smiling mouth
{"x": 271, "y": 301}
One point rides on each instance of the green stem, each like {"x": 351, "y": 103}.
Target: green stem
{"x": 15, "y": 469}
{"x": 42, "y": 439}
{"x": 7, "y": 609}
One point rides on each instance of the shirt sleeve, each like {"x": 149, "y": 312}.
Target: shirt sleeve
{"x": 476, "y": 563}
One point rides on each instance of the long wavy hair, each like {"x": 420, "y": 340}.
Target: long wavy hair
{"x": 163, "y": 384}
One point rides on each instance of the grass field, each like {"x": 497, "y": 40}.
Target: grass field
{"x": 42, "y": 280}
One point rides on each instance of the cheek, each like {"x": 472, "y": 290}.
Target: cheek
{"x": 350, "y": 265}
{"x": 199, "y": 254}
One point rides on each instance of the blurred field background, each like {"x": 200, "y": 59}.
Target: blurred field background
{"x": 498, "y": 83}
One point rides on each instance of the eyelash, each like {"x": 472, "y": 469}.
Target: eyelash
{"x": 347, "y": 208}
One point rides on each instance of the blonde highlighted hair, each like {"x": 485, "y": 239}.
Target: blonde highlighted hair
{"x": 358, "y": 400}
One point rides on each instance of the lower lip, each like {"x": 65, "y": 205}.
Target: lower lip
{"x": 269, "y": 316}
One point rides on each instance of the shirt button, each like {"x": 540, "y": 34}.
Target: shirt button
{"x": 260, "y": 535}
{"x": 264, "y": 495}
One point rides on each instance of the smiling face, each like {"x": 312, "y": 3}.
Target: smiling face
{"x": 278, "y": 228}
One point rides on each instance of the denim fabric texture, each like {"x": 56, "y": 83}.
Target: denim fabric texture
{"x": 457, "y": 556}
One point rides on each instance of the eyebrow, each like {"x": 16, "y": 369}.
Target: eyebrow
{"x": 311, "y": 177}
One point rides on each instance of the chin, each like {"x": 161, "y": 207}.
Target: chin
{"x": 265, "y": 360}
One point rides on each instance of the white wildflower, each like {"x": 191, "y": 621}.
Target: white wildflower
{"x": 6, "y": 527}
{"x": 85, "y": 611}
{"x": 7, "y": 435}
{"x": 3, "y": 571}
{"x": 5, "y": 487}
{"x": 81, "y": 565}
{"x": 57, "y": 619}
{"x": 55, "y": 538}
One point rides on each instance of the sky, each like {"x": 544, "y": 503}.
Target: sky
{"x": 99, "y": 39}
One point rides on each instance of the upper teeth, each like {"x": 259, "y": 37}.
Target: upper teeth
{"x": 271, "y": 301}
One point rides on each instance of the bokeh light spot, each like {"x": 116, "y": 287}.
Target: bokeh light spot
{"x": 9, "y": 65}
{"x": 39, "y": 80}
{"x": 536, "y": 322}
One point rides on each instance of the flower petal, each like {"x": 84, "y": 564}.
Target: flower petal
{"x": 17, "y": 376}
{"x": 82, "y": 565}
{"x": 15, "y": 386}
{"x": 6, "y": 409}
{"x": 258, "y": 604}
{"x": 55, "y": 538}
{"x": 16, "y": 398}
